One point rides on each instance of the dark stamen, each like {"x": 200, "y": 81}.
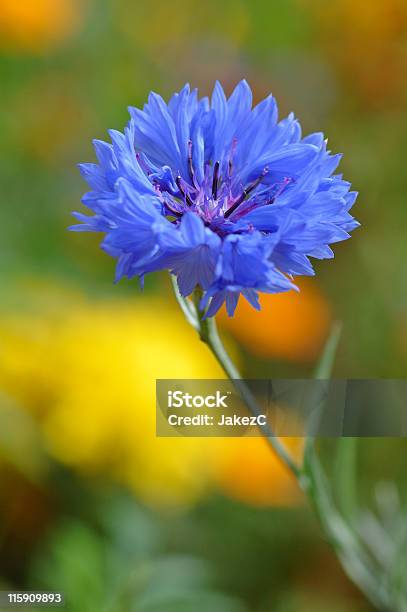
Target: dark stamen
{"x": 172, "y": 210}
{"x": 215, "y": 181}
{"x": 184, "y": 194}
{"x": 246, "y": 192}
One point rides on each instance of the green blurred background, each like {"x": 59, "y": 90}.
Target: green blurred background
{"x": 91, "y": 502}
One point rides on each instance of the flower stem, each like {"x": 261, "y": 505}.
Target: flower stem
{"x": 208, "y": 333}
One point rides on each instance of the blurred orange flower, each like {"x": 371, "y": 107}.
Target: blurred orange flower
{"x": 289, "y": 325}
{"x": 38, "y": 25}
{"x": 250, "y": 472}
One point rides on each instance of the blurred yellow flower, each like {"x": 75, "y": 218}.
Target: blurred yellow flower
{"x": 38, "y": 25}
{"x": 86, "y": 370}
{"x": 289, "y": 325}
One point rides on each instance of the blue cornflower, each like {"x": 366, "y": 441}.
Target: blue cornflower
{"x": 223, "y": 195}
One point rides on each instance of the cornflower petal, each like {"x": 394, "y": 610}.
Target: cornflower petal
{"x": 224, "y": 196}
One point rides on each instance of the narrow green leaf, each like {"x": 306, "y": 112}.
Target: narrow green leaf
{"x": 325, "y": 364}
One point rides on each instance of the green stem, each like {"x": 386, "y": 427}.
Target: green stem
{"x": 208, "y": 333}
{"x": 345, "y": 477}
